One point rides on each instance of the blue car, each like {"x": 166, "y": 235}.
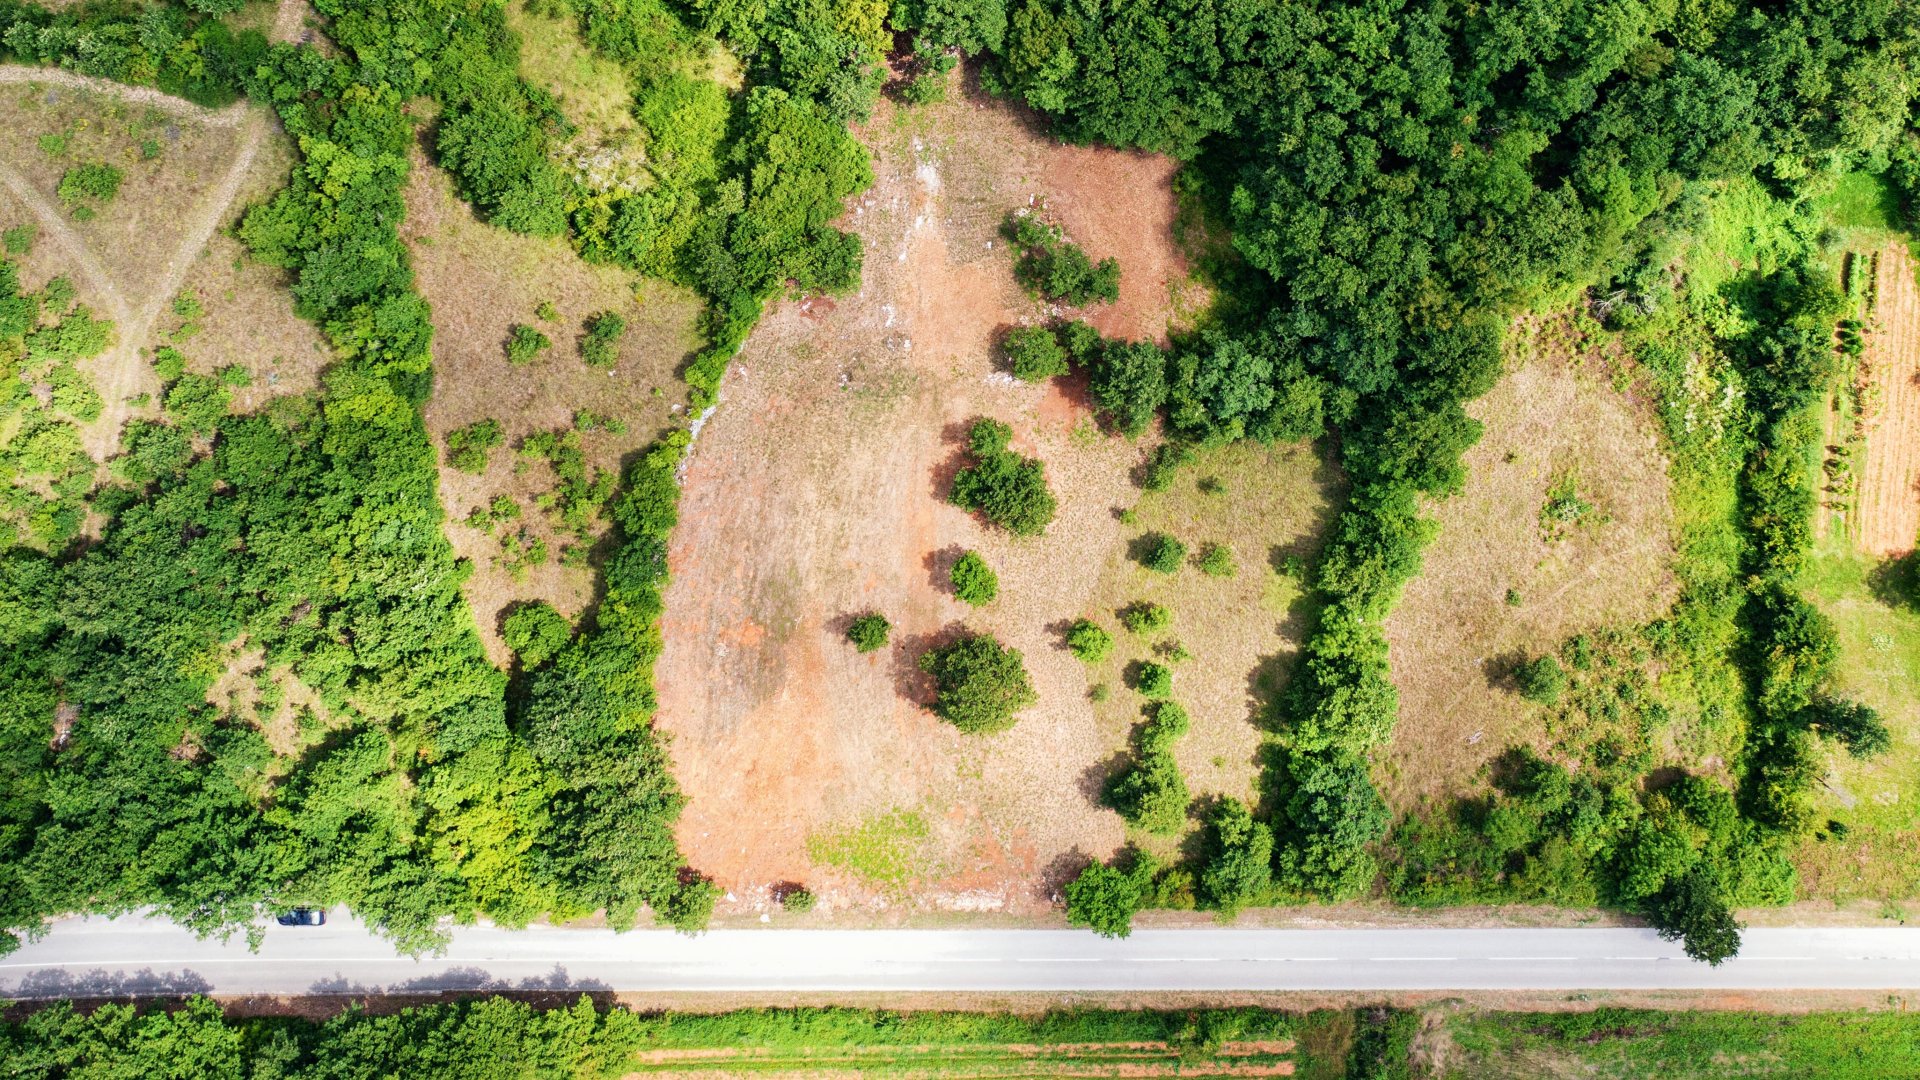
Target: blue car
{"x": 302, "y": 916}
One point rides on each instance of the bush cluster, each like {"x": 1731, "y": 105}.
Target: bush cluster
{"x": 1002, "y": 486}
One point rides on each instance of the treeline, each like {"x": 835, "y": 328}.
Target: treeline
{"x": 419, "y": 787}
{"x": 1399, "y": 181}
{"x": 501, "y": 1038}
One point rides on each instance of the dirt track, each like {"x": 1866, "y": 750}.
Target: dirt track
{"x": 122, "y": 371}
{"x": 1890, "y": 469}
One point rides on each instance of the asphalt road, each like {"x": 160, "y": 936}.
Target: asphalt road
{"x": 134, "y": 955}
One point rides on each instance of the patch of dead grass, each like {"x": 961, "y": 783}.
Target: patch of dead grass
{"x": 1455, "y": 636}
{"x": 481, "y": 280}
{"x": 1268, "y": 504}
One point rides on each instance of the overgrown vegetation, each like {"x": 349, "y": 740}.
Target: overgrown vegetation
{"x": 310, "y": 531}
{"x": 1397, "y": 186}
{"x": 1054, "y": 268}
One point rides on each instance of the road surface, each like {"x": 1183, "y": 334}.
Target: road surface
{"x": 134, "y": 955}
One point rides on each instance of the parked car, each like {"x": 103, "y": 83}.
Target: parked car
{"x": 303, "y": 916}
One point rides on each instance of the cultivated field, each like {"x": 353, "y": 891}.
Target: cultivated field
{"x": 817, "y": 493}
{"x": 1498, "y": 585}
{"x": 481, "y": 281}
{"x": 1889, "y": 502}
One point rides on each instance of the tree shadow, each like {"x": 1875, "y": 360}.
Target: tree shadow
{"x": 910, "y": 682}
{"x": 100, "y": 982}
{"x": 1896, "y": 582}
{"x": 1502, "y": 671}
{"x": 939, "y": 565}
{"x": 1096, "y": 780}
{"x": 943, "y": 474}
{"x": 1051, "y": 883}
{"x": 1264, "y": 685}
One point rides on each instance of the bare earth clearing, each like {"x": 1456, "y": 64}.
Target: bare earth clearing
{"x": 1890, "y": 469}
{"x": 817, "y": 493}
{"x": 1455, "y": 632}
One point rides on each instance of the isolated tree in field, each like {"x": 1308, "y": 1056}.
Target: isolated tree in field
{"x": 1164, "y": 554}
{"x": 1151, "y": 679}
{"x": 869, "y": 632}
{"x": 981, "y": 684}
{"x": 1150, "y": 793}
{"x": 974, "y": 582}
{"x": 1216, "y": 560}
{"x": 1002, "y": 486}
{"x": 1052, "y": 267}
{"x": 1088, "y": 641}
{"x": 1034, "y": 353}
{"x": 1541, "y": 680}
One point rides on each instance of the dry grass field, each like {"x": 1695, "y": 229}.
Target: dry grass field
{"x": 1889, "y": 502}
{"x": 1494, "y": 588}
{"x": 817, "y": 493}
{"x": 481, "y": 280}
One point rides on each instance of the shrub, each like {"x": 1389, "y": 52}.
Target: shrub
{"x": 535, "y": 632}
{"x": 19, "y": 239}
{"x": 1165, "y": 464}
{"x": 1034, "y": 353}
{"x": 1145, "y": 618}
{"x": 1150, "y": 679}
{"x": 1541, "y": 680}
{"x": 467, "y": 447}
{"x": 1088, "y": 641}
{"x": 1150, "y": 793}
{"x": 525, "y": 344}
{"x": 869, "y": 632}
{"x": 1002, "y": 486}
{"x": 600, "y": 346}
{"x": 797, "y": 900}
{"x": 1216, "y": 560}
{"x": 1163, "y": 553}
{"x": 97, "y": 181}
{"x": 1050, "y": 266}
{"x": 974, "y": 582}
{"x": 981, "y": 684}
{"x": 235, "y": 376}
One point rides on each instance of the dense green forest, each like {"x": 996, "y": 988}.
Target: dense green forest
{"x": 1399, "y": 177}
{"x": 311, "y": 531}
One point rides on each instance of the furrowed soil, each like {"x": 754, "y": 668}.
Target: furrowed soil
{"x": 1890, "y": 469}
{"x": 1458, "y": 630}
{"x": 817, "y": 492}
{"x": 481, "y": 280}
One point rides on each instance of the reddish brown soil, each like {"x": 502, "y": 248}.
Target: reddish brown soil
{"x": 1890, "y": 470}
{"x": 816, "y": 493}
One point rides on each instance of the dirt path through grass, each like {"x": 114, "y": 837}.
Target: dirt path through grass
{"x": 120, "y": 372}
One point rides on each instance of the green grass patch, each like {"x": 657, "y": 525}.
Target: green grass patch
{"x": 890, "y": 850}
{"x": 1633, "y": 1043}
